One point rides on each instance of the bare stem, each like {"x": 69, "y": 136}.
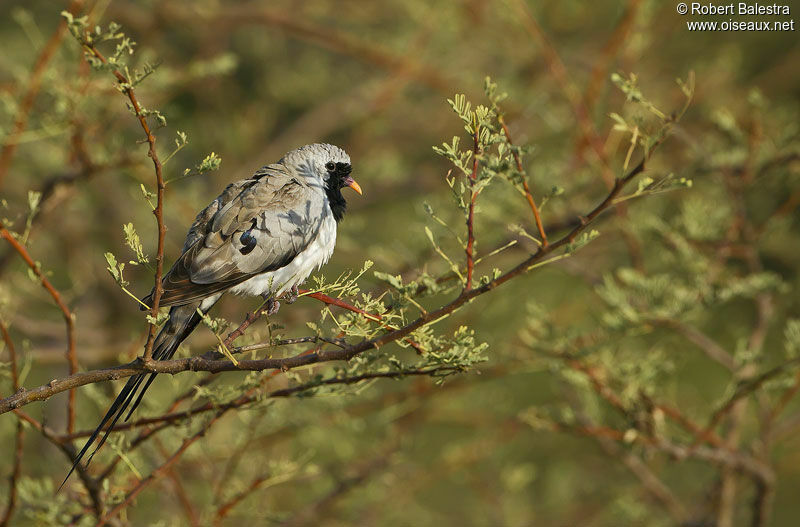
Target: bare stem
{"x": 158, "y": 289}
{"x": 473, "y": 177}
{"x": 68, "y": 319}
{"x": 528, "y": 196}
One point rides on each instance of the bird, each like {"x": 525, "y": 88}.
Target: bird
{"x": 262, "y": 236}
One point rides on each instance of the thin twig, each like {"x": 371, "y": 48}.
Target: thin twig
{"x": 248, "y": 320}
{"x": 528, "y": 196}
{"x": 249, "y": 396}
{"x": 472, "y": 179}
{"x": 328, "y": 37}
{"x": 311, "y": 513}
{"x": 559, "y": 72}
{"x": 338, "y": 302}
{"x": 16, "y": 471}
{"x": 68, "y": 319}
{"x": 158, "y": 288}
{"x": 710, "y": 347}
{"x": 34, "y": 84}
{"x": 180, "y": 491}
{"x": 160, "y": 471}
{"x": 746, "y": 388}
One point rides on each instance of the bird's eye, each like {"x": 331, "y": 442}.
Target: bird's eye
{"x": 331, "y": 166}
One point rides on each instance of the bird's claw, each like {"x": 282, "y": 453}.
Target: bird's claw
{"x": 290, "y": 297}
{"x": 272, "y": 307}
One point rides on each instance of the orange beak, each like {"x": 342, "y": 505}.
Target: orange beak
{"x": 350, "y": 182}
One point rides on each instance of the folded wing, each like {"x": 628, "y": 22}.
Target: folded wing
{"x": 256, "y": 225}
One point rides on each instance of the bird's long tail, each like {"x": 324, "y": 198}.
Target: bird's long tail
{"x": 182, "y": 320}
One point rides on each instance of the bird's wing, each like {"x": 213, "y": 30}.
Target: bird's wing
{"x": 254, "y": 226}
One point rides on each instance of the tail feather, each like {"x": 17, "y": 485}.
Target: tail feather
{"x": 182, "y": 321}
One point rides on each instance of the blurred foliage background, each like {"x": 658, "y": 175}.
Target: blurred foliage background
{"x": 601, "y": 367}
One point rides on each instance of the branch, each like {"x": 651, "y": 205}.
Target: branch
{"x": 248, "y": 320}
{"x": 34, "y": 84}
{"x": 16, "y": 471}
{"x": 127, "y": 89}
{"x": 159, "y": 472}
{"x": 180, "y": 491}
{"x": 202, "y": 364}
{"x": 476, "y": 149}
{"x": 250, "y": 396}
{"x": 744, "y": 389}
{"x": 727, "y": 458}
{"x": 68, "y": 319}
{"x": 338, "y": 302}
{"x": 329, "y": 38}
{"x": 713, "y": 350}
{"x": 568, "y": 87}
{"x": 528, "y": 196}
{"x": 310, "y": 514}
{"x": 49, "y": 189}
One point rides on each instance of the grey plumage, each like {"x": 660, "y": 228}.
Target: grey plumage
{"x": 261, "y": 236}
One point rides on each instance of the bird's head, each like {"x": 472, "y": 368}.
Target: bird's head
{"x": 324, "y": 166}
{"x": 328, "y": 163}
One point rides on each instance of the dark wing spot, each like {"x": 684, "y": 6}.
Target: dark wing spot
{"x": 248, "y": 240}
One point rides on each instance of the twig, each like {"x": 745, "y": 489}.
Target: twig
{"x": 310, "y": 514}
{"x": 248, "y": 320}
{"x": 744, "y": 389}
{"x": 34, "y": 84}
{"x": 258, "y": 482}
{"x": 619, "y": 36}
{"x": 528, "y": 196}
{"x": 713, "y": 350}
{"x": 249, "y": 396}
{"x": 472, "y": 179}
{"x": 337, "y": 41}
{"x": 597, "y": 384}
{"x": 733, "y": 459}
{"x": 16, "y": 471}
{"x": 689, "y": 425}
{"x": 159, "y": 472}
{"x": 338, "y": 302}
{"x": 574, "y": 97}
{"x": 48, "y": 192}
{"x": 158, "y": 288}
{"x": 68, "y": 319}
{"x": 651, "y": 483}
{"x": 180, "y": 491}
{"x": 787, "y": 396}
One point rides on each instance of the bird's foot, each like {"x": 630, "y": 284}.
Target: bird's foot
{"x": 272, "y": 306}
{"x": 290, "y": 297}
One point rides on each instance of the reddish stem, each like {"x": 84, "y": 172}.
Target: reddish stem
{"x": 528, "y": 196}
{"x": 344, "y": 305}
{"x": 158, "y": 289}
{"x": 69, "y": 321}
{"x": 473, "y": 177}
